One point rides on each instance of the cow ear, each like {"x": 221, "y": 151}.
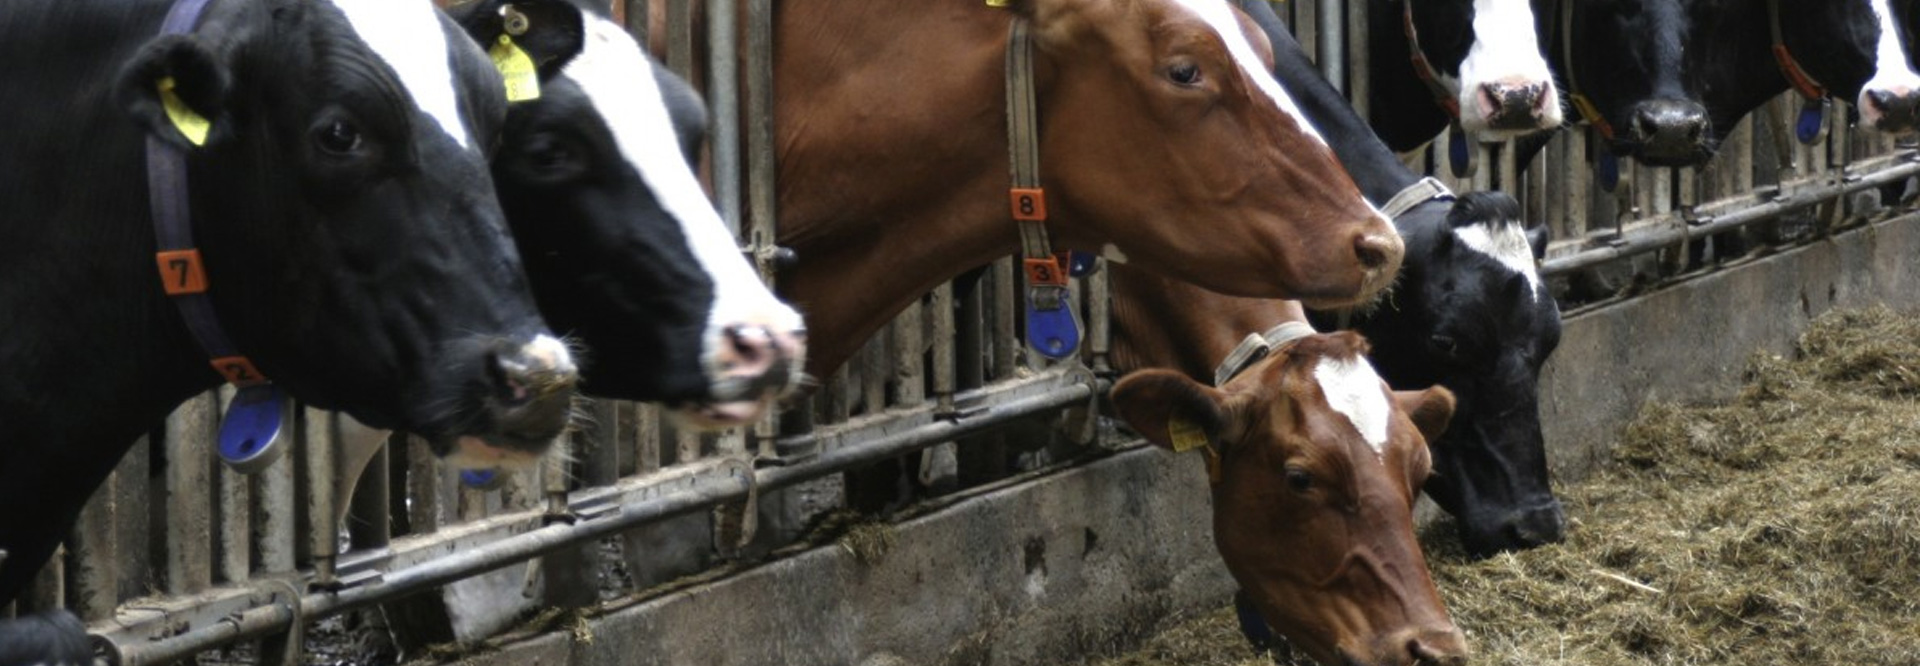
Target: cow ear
{"x": 551, "y": 32}
{"x": 1430, "y": 409}
{"x": 1537, "y": 237}
{"x": 176, "y": 88}
{"x": 1170, "y": 409}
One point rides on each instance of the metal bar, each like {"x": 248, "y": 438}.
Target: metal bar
{"x": 190, "y": 433}
{"x": 605, "y": 512}
{"x": 1657, "y": 238}
{"x": 723, "y": 98}
{"x": 1333, "y": 43}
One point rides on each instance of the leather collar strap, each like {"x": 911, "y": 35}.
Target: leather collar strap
{"x": 1257, "y": 346}
{"x": 182, "y": 273}
{"x": 1427, "y": 189}
{"x": 1588, "y": 110}
{"x": 1802, "y": 82}
{"x": 1027, "y": 200}
{"x": 1424, "y": 68}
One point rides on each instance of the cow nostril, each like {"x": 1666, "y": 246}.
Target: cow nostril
{"x": 1879, "y": 99}
{"x": 1491, "y": 95}
{"x": 751, "y": 344}
{"x": 1371, "y": 250}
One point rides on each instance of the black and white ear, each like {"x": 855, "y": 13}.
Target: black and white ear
{"x": 177, "y": 88}
{"x": 1537, "y": 237}
{"x": 1172, "y": 410}
{"x": 550, "y": 32}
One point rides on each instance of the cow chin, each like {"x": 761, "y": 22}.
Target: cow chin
{"x": 474, "y": 453}
{"x": 720, "y": 415}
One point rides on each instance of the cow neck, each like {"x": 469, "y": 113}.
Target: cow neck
{"x": 182, "y": 272}
{"x": 1563, "y": 25}
{"x": 1802, "y": 82}
{"x": 1423, "y": 68}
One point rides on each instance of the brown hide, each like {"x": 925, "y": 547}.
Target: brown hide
{"x": 890, "y": 123}
{"x": 1313, "y": 524}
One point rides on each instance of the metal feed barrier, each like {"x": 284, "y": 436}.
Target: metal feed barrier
{"x": 176, "y": 554}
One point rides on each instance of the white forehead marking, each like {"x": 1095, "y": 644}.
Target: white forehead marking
{"x": 407, "y": 35}
{"x": 1507, "y": 243}
{"x": 1220, "y": 16}
{"x": 620, "y": 82}
{"x": 1891, "y": 68}
{"x": 1505, "y": 50}
{"x": 1354, "y": 390}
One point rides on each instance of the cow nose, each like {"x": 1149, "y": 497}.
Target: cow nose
{"x": 1378, "y": 251}
{"x": 1513, "y": 105}
{"x": 1670, "y": 132}
{"x": 535, "y": 371}
{"x": 754, "y": 359}
{"x": 1538, "y": 526}
{"x": 1441, "y": 645}
{"x": 1894, "y": 109}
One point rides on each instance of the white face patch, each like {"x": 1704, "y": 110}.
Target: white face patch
{"x": 1505, "y": 50}
{"x": 1353, "y": 389}
{"x": 1219, "y": 14}
{"x": 406, "y": 35}
{"x": 1507, "y": 243}
{"x": 1893, "y": 72}
{"x": 620, "y": 82}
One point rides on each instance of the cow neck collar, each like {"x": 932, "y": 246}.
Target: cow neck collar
{"x": 1585, "y": 106}
{"x": 1257, "y": 346}
{"x": 182, "y": 273}
{"x": 1802, "y": 82}
{"x": 1423, "y": 68}
{"x": 1053, "y": 329}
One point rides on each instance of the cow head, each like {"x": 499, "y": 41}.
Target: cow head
{"x": 1631, "y": 59}
{"x": 1471, "y": 314}
{"x": 623, "y": 248}
{"x": 342, "y": 203}
{"x": 1318, "y": 468}
{"x": 1859, "y": 49}
{"x": 1487, "y": 55}
{"x": 1165, "y": 138}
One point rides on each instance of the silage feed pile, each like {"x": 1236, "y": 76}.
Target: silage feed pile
{"x": 1780, "y": 528}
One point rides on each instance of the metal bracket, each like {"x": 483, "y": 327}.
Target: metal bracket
{"x": 735, "y": 524}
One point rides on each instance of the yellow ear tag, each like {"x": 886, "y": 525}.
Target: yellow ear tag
{"x": 522, "y": 78}
{"x": 1186, "y": 435}
{"x": 1002, "y": 4}
{"x": 192, "y": 125}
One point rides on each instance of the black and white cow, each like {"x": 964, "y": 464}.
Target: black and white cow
{"x": 1478, "y": 62}
{"x": 1469, "y": 313}
{"x": 623, "y": 248}
{"x": 341, "y": 205}
{"x": 1665, "y": 80}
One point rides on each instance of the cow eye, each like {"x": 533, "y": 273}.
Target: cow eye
{"x": 1299, "y": 480}
{"x": 338, "y": 137}
{"x": 1445, "y": 344}
{"x": 1184, "y": 73}
{"x": 549, "y": 154}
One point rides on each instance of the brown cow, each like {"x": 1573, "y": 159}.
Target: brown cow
{"x": 1164, "y": 140}
{"x": 1315, "y": 466}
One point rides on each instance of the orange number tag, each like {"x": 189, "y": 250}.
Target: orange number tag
{"x": 1045, "y": 272}
{"x": 1029, "y": 204}
{"x": 180, "y": 271}
{"x": 238, "y": 370}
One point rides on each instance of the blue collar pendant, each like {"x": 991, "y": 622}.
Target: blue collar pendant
{"x": 1812, "y": 123}
{"x": 1459, "y": 152}
{"x": 1608, "y": 170}
{"x": 1053, "y": 328}
{"x": 482, "y": 479}
{"x": 1081, "y": 264}
{"x": 252, "y": 435}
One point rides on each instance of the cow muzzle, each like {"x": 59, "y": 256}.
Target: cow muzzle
{"x": 751, "y": 367}
{"x": 1893, "y": 110}
{"x": 1518, "y": 106}
{"x": 532, "y": 400}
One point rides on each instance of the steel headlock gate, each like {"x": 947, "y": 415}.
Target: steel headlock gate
{"x": 177, "y": 554}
